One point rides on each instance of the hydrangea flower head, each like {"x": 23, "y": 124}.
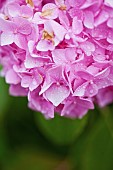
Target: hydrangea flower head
{"x": 58, "y": 53}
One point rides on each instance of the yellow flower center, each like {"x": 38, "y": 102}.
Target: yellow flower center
{"x": 48, "y": 36}
{"x": 63, "y": 8}
{"x": 30, "y": 2}
{"x": 47, "y": 12}
{"x": 6, "y": 17}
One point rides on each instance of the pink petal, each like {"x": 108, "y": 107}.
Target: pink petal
{"x": 37, "y": 18}
{"x": 110, "y": 22}
{"x": 77, "y": 26}
{"x": 46, "y": 85}
{"x": 56, "y": 73}
{"x": 64, "y": 56}
{"x": 59, "y": 56}
{"x": 26, "y": 80}
{"x": 7, "y": 38}
{"x": 103, "y": 74}
{"x": 109, "y": 3}
{"x": 102, "y": 83}
{"x": 41, "y": 105}
{"x": 93, "y": 70}
{"x": 89, "y": 3}
{"x": 13, "y": 9}
{"x": 91, "y": 90}
{"x": 31, "y": 62}
{"x": 84, "y": 75}
{"x": 76, "y": 3}
{"x": 88, "y": 47}
{"x": 101, "y": 18}
{"x": 108, "y": 96}
{"x": 17, "y": 90}
{"x": 34, "y": 84}
{"x": 75, "y": 12}
{"x": 26, "y": 11}
{"x": 12, "y": 77}
{"x": 89, "y": 19}
{"x": 77, "y": 107}
{"x": 101, "y": 31}
{"x": 60, "y": 2}
{"x": 20, "y": 41}
{"x": 57, "y": 94}
{"x": 44, "y": 45}
{"x": 58, "y": 29}
{"x": 80, "y": 91}
{"x": 24, "y": 26}
{"x": 110, "y": 37}
{"x": 50, "y": 11}
{"x": 64, "y": 19}
{"x": 7, "y": 25}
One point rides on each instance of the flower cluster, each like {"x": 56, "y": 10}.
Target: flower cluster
{"x": 58, "y": 53}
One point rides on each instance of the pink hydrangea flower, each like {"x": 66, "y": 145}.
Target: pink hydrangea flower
{"x": 58, "y": 53}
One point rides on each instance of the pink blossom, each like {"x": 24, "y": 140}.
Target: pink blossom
{"x": 15, "y": 32}
{"x": 15, "y": 10}
{"x": 58, "y": 53}
{"x": 52, "y": 35}
{"x": 76, "y": 107}
{"x": 55, "y": 87}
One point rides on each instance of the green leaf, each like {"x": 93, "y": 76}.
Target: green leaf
{"x": 28, "y": 159}
{"x": 94, "y": 149}
{"x": 4, "y": 96}
{"x": 4, "y": 103}
{"x": 61, "y": 130}
{"x": 107, "y": 115}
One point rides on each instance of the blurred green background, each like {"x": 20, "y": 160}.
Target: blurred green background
{"x": 29, "y": 142}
